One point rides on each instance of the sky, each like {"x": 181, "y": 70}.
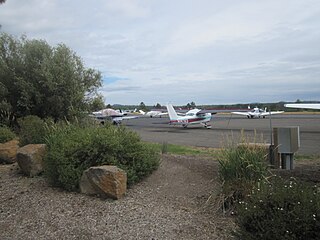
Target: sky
{"x": 179, "y": 51}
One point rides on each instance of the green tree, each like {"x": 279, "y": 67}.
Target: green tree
{"x": 37, "y": 79}
{"x": 142, "y": 106}
{"x": 158, "y": 106}
{"x": 191, "y": 105}
{"x": 96, "y": 103}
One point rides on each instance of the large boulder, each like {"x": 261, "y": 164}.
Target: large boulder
{"x": 105, "y": 181}
{"x": 30, "y": 159}
{"x": 8, "y": 151}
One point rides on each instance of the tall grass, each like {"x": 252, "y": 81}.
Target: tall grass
{"x": 241, "y": 164}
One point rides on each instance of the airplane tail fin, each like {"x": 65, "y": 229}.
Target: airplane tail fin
{"x": 172, "y": 113}
{"x": 142, "y": 112}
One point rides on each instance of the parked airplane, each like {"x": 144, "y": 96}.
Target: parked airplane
{"x": 257, "y": 112}
{"x": 153, "y": 113}
{"x": 303, "y": 105}
{"x": 194, "y": 116}
{"x": 112, "y": 115}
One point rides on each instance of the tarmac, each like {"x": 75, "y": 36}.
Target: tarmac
{"x": 229, "y": 128}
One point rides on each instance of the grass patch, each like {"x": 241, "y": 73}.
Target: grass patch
{"x": 184, "y": 150}
{"x": 303, "y": 157}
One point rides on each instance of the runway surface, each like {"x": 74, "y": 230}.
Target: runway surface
{"x": 226, "y": 127}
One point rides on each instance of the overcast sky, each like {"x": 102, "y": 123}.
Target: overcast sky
{"x": 178, "y": 51}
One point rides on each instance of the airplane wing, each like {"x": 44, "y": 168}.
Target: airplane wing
{"x": 272, "y": 113}
{"x": 241, "y": 113}
{"x": 126, "y": 117}
{"x": 303, "y": 105}
{"x": 161, "y": 114}
{"x": 214, "y": 111}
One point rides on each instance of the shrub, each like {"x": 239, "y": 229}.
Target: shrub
{"x": 280, "y": 209}
{"x": 33, "y": 130}
{"x": 73, "y": 149}
{"x": 6, "y": 134}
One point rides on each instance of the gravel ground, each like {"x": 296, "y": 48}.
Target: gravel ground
{"x": 169, "y": 204}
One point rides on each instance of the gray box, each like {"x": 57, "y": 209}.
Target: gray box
{"x": 287, "y": 139}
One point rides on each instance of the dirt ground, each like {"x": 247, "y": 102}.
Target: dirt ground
{"x": 175, "y": 202}
{"x": 172, "y": 203}
{"x": 305, "y": 170}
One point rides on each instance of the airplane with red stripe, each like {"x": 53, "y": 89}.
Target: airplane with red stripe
{"x": 194, "y": 116}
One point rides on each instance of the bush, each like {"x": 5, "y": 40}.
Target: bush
{"x": 281, "y": 209}
{"x": 33, "y": 130}
{"x": 73, "y": 149}
{"x": 6, "y": 134}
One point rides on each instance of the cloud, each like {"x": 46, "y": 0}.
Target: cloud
{"x": 207, "y": 51}
{"x": 127, "y": 8}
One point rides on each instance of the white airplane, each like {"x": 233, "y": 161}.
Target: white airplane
{"x": 112, "y": 115}
{"x": 257, "y": 112}
{"x": 153, "y": 113}
{"x": 194, "y": 116}
{"x": 303, "y": 105}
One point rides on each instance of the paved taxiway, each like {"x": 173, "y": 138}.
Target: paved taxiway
{"x": 226, "y": 126}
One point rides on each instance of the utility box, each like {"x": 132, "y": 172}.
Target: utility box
{"x": 288, "y": 139}
{"x": 287, "y": 142}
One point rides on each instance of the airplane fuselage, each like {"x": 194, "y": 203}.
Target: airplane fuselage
{"x": 255, "y": 113}
{"x": 192, "y": 119}
{"x": 193, "y": 116}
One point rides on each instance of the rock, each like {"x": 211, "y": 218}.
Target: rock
{"x": 8, "y": 151}
{"x": 106, "y": 181}
{"x": 30, "y": 159}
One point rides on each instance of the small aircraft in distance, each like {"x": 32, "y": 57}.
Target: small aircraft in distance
{"x": 112, "y": 115}
{"x": 194, "y": 116}
{"x": 153, "y": 113}
{"x": 257, "y": 112}
{"x": 303, "y": 105}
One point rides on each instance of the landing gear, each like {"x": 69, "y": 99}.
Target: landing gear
{"x": 116, "y": 123}
{"x": 207, "y": 126}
